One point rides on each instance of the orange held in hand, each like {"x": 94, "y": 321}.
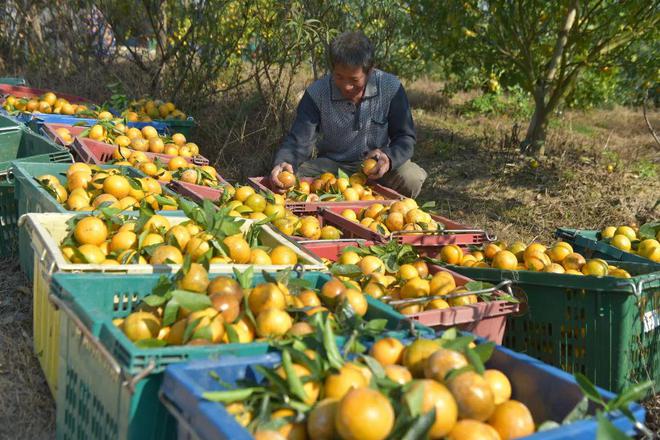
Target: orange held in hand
{"x": 287, "y": 179}
{"x": 368, "y": 166}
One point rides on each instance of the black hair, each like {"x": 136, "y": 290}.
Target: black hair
{"x": 352, "y": 49}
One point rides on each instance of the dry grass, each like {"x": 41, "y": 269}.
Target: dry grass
{"x": 27, "y": 410}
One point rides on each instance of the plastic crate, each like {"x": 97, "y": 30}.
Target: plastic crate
{"x": 33, "y": 92}
{"x": 588, "y": 243}
{"x": 549, "y": 393}
{"x": 8, "y": 220}
{"x": 13, "y": 81}
{"x": 454, "y": 233}
{"x": 109, "y": 386}
{"x": 263, "y": 184}
{"x": 331, "y": 249}
{"x": 185, "y": 127}
{"x": 44, "y": 232}
{"x": 606, "y": 328}
{"x": 197, "y": 193}
{"x": 19, "y": 142}
{"x": 49, "y": 130}
{"x": 95, "y": 152}
{"x": 487, "y": 320}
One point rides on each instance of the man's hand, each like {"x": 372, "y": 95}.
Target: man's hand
{"x": 383, "y": 164}
{"x": 278, "y": 187}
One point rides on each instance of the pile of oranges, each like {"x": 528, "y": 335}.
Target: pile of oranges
{"x": 626, "y": 239}
{"x": 46, "y": 103}
{"x": 328, "y": 188}
{"x": 271, "y": 306}
{"x": 88, "y": 187}
{"x": 410, "y": 281}
{"x": 559, "y": 258}
{"x": 402, "y": 215}
{"x": 348, "y": 402}
{"x": 146, "y": 110}
{"x": 94, "y": 240}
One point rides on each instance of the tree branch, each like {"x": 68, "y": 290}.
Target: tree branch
{"x": 646, "y": 118}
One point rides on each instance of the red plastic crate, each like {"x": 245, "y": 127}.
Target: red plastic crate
{"x": 331, "y": 249}
{"x": 195, "y": 192}
{"x": 32, "y": 92}
{"x": 391, "y": 196}
{"x": 454, "y": 233}
{"x": 75, "y": 130}
{"x": 95, "y": 152}
{"x": 485, "y": 319}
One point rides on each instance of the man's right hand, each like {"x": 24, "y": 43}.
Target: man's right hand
{"x": 278, "y": 187}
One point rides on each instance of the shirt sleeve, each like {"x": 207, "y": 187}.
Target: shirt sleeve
{"x": 298, "y": 144}
{"x": 401, "y": 130}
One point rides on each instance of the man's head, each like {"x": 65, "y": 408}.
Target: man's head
{"x": 351, "y": 58}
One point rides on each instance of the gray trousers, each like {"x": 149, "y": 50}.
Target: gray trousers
{"x": 406, "y": 180}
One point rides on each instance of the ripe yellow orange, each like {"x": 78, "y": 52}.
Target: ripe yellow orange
{"x": 499, "y": 385}
{"x": 512, "y": 419}
{"x": 149, "y": 132}
{"x": 321, "y": 420}
{"x": 473, "y": 430}
{"x": 177, "y": 162}
{"x": 273, "y": 322}
{"x": 557, "y": 253}
{"x": 416, "y": 354}
{"x": 364, "y": 413}
{"x": 239, "y": 249}
{"x": 260, "y": 257}
{"x": 622, "y": 242}
{"x": 356, "y": 300}
{"x": 490, "y": 250}
{"x": 626, "y": 231}
{"x": 387, "y": 351}
{"x": 415, "y": 288}
{"x": 90, "y": 230}
{"x": 473, "y": 395}
{"x": 573, "y": 261}
{"x": 505, "y": 260}
{"x": 398, "y": 373}
{"x": 311, "y": 388}
{"x": 92, "y": 254}
{"x": 166, "y": 254}
{"x": 408, "y": 272}
{"x": 141, "y": 325}
{"x": 122, "y": 241}
{"x": 441, "y": 362}
{"x": 554, "y": 268}
{"x": 77, "y": 167}
{"x": 451, "y": 254}
{"x": 371, "y": 264}
{"x": 243, "y": 192}
{"x": 436, "y": 395}
{"x": 442, "y": 283}
{"x": 117, "y": 186}
{"x": 595, "y": 267}
{"x": 336, "y": 385}
{"x": 266, "y": 296}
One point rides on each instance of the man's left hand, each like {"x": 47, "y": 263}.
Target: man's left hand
{"x": 383, "y": 165}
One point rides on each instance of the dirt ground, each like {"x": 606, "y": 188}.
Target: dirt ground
{"x": 476, "y": 175}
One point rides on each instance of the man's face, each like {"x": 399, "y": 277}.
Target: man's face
{"x": 350, "y": 80}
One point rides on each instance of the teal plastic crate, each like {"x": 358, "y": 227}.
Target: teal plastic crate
{"x": 588, "y": 243}
{"x": 13, "y": 80}
{"x": 185, "y": 127}
{"x": 108, "y": 387}
{"x": 606, "y": 328}
{"x": 33, "y": 198}
{"x": 19, "y": 142}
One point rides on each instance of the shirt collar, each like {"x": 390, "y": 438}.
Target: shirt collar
{"x": 371, "y": 89}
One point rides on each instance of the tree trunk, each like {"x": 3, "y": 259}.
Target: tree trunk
{"x": 534, "y": 142}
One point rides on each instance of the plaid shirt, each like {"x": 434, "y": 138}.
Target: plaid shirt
{"x": 345, "y": 132}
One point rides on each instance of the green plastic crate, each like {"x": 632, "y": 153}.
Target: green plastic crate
{"x": 8, "y": 220}
{"x": 13, "y": 81}
{"x": 19, "y": 142}
{"x": 33, "y": 198}
{"x": 606, "y": 328}
{"x": 588, "y": 243}
{"x": 185, "y": 127}
{"x": 108, "y": 386}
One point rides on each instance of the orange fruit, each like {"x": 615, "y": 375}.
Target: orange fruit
{"x": 77, "y": 167}
{"x": 442, "y": 283}
{"x": 266, "y": 296}
{"x": 490, "y": 250}
{"x": 387, "y": 351}
{"x": 336, "y": 385}
{"x": 408, "y": 272}
{"x": 441, "y": 362}
{"x": 195, "y": 280}
{"x": 260, "y": 257}
{"x": 416, "y": 354}
{"x": 156, "y": 223}
{"x": 621, "y": 242}
{"x": 197, "y": 247}
{"x": 177, "y": 162}
{"x": 451, "y": 254}
{"x": 473, "y": 395}
{"x": 473, "y": 430}
{"x": 283, "y": 255}
{"x": 273, "y": 322}
{"x": 321, "y": 420}
{"x": 415, "y": 288}
{"x": 398, "y": 373}
{"x": 573, "y": 261}
{"x": 512, "y": 419}
{"x": 356, "y": 300}
{"x": 505, "y": 260}
{"x": 117, "y": 186}
{"x": 92, "y": 254}
{"x": 364, "y": 413}
{"x": 141, "y": 325}
{"x": 239, "y": 249}
{"x": 122, "y": 241}
{"x": 499, "y": 385}
{"x": 436, "y": 395}
{"x": 166, "y": 254}
{"x": 90, "y": 230}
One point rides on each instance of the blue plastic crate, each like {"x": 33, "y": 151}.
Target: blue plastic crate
{"x": 548, "y": 392}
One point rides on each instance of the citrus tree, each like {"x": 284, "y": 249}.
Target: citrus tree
{"x": 543, "y": 46}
